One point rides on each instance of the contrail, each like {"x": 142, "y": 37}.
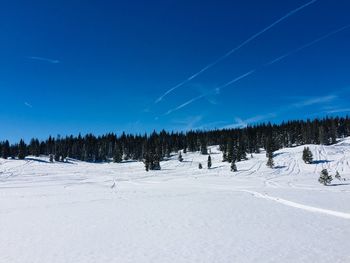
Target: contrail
{"x": 53, "y": 61}
{"x": 211, "y": 91}
{"x": 307, "y": 45}
{"x": 264, "y": 65}
{"x": 237, "y": 79}
{"x": 235, "y": 49}
{"x": 184, "y": 104}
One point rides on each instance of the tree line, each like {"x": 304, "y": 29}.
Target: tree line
{"x": 152, "y": 148}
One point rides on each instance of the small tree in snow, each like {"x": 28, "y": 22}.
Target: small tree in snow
{"x": 270, "y": 163}
{"x": 325, "y": 178}
{"x": 307, "y": 155}
{"x": 200, "y": 166}
{"x": 209, "y": 162}
{"x": 233, "y": 166}
{"x": 180, "y": 157}
{"x": 51, "y": 158}
{"x": 337, "y": 175}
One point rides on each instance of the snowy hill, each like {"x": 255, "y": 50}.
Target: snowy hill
{"x": 85, "y": 212}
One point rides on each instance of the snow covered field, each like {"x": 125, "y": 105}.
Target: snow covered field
{"x": 83, "y": 212}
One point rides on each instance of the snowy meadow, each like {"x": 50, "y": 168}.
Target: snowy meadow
{"x": 118, "y": 212}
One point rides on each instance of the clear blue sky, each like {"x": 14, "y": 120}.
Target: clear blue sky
{"x": 99, "y": 66}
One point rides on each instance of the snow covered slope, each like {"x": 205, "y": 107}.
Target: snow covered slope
{"x": 83, "y": 212}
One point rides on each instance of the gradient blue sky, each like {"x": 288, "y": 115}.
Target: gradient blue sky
{"x": 99, "y": 66}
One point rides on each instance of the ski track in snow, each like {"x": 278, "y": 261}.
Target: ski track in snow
{"x": 298, "y": 205}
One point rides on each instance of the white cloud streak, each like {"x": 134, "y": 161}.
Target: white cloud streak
{"x": 239, "y": 123}
{"x": 265, "y": 65}
{"x": 184, "y": 104}
{"x": 212, "y": 91}
{"x": 307, "y": 45}
{"x": 218, "y": 60}
{"x": 313, "y": 101}
{"x": 52, "y": 61}
{"x": 337, "y": 110}
{"x": 28, "y": 105}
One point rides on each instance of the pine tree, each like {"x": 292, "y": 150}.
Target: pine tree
{"x": 230, "y": 151}
{"x": 22, "y": 150}
{"x": 224, "y": 156}
{"x": 307, "y": 155}
{"x": 204, "y": 149}
{"x": 57, "y": 156}
{"x": 34, "y": 147}
{"x": 209, "y": 162}
{"x": 117, "y": 154}
{"x": 233, "y": 166}
{"x": 200, "y": 166}
{"x": 5, "y": 151}
{"x": 155, "y": 164}
{"x": 180, "y": 157}
{"x": 270, "y": 163}
{"x": 51, "y": 158}
{"x": 147, "y": 163}
{"x": 325, "y": 178}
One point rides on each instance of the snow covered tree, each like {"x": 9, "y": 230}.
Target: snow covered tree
{"x": 200, "y": 166}
{"x": 325, "y": 177}
{"x": 51, "y": 158}
{"x": 233, "y": 166}
{"x": 307, "y": 155}
{"x": 209, "y": 162}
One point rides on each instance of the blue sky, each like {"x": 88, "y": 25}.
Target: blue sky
{"x": 86, "y": 66}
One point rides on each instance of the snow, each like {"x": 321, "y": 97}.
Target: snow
{"x": 84, "y": 212}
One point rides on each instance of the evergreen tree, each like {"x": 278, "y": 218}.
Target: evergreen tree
{"x": 5, "y": 151}
{"x": 155, "y": 163}
{"x": 34, "y": 147}
{"x": 147, "y": 162}
{"x": 230, "y": 151}
{"x": 307, "y": 155}
{"x": 204, "y": 149}
{"x": 51, "y": 158}
{"x": 22, "y": 150}
{"x": 209, "y": 162}
{"x": 180, "y": 157}
{"x": 117, "y": 154}
{"x": 200, "y": 166}
{"x": 337, "y": 176}
{"x": 325, "y": 178}
{"x": 233, "y": 166}
{"x": 224, "y": 156}
{"x": 57, "y": 156}
{"x": 270, "y": 163}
